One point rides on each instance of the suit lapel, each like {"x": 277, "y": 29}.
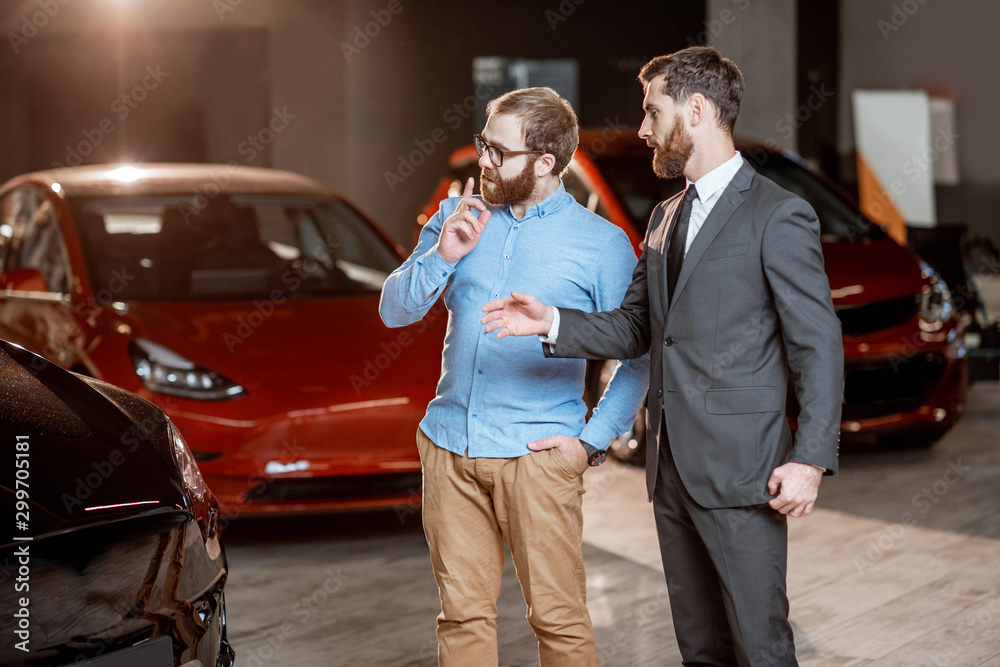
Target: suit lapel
{"x": 657, "y": 240}
{"x": 729, "y": 201}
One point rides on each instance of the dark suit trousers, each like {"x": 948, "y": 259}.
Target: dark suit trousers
{"x": 725, "y": 571}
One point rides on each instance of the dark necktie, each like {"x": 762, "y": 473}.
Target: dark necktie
{"x": 678, "y": 239}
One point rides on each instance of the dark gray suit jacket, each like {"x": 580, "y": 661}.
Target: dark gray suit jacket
{"x": 752, "y": 315}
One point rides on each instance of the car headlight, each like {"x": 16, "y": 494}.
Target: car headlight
{"x": 194, "y": 483}
{"x": 164, "y": 371}
{"x": 934, "y": 300}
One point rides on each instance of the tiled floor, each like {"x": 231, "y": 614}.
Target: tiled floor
{"x": 899, "y": 567}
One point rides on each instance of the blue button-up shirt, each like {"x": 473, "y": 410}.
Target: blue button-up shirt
{"x": 496, "y": 395}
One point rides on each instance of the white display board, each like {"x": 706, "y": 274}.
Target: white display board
{"x": 896, "y": 157}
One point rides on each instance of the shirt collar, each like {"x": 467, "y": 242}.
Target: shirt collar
{"x": 717, "y": 179}
{"x": 554, "y": 202}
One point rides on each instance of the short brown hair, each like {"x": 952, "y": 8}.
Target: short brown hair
{"x": 700, "y": 69}
{"x": 548, "y": 122}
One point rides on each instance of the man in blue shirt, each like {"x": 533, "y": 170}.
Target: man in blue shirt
{"x": 504, "y": 443}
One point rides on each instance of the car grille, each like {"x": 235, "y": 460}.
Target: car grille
{"x": 861, "y": 320}
{"x": 336, "y": 488}
{"x": 889, "y": 386}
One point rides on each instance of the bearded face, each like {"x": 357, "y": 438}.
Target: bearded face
{"x": 672, "y": 156}
{"x": 500, "y": 191}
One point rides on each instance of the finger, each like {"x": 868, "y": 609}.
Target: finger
{"x": 493, "y": 325}
{"x": 521, "y": 297}
{"x": 495, "y": 305}
{"x": 773, "y": 484}
{"x": 468, "y": 188}
{"x": 544, "y": 443}
{"x": 476, "y": 223}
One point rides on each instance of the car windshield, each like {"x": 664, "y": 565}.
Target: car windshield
{"x": 187, "y": 247}
{"x": 639, "y": 190}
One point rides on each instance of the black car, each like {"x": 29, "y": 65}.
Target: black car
{"x": 111, "y": 553}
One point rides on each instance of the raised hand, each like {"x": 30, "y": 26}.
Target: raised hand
{"x": 517, "y": 315}
{"x": 461, "y": 231}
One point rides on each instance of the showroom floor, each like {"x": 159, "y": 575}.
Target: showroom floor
{"x": 899, "y": 566}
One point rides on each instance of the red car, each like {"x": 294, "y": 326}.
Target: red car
{"x": 243, "y": 302}
{"x": 905, "y": 362}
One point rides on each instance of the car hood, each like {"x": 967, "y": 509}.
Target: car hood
{"x": 318, "y": 347}
{"x": 89, "y": 459}
{"x": 871, "y": 270}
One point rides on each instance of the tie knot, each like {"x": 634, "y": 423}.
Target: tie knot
{"x": 690, "y": 194}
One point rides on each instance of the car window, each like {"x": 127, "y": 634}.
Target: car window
{"x": 32, "y": 239}
{"x": 635, "y": 185}
{"x": 837, "y": 219}
{"x": 639, "y": 190}
{"x": 177, "y": 248}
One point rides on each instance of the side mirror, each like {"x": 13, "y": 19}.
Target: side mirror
{"x": 24, "y": 280}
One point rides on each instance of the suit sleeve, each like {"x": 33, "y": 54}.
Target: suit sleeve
{"x": 622, "y": 333}
{"x": 793, "y": 265}
{"x": 411, "y": 290}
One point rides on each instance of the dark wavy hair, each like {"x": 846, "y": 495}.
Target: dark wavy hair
{"x": 700, "y": 69}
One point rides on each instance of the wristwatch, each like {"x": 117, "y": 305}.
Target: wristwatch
{"x": 595, "y": 456}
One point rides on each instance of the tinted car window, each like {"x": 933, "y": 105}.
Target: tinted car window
{"x": 837, "y": 219}
{"x": 31, "y": 230}
{"x": 639, "y": 190}
{"x": 168, "y": 248}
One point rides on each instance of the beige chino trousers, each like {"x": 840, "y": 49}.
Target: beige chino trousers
{"x": 535, "y": 503}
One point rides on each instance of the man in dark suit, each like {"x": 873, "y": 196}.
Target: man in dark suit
{"x": 732, "y": 302}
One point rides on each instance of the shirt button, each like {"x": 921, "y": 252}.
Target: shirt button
{"x": 515, "y": 229}
{"x": 474, "y": 415}
{"x": 480, "y": 371}
{"x": 506, "y": 256}
{"x": 668, "y": 341}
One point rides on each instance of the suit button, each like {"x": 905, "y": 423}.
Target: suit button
{"x": 668, "y": 341}
{"x": 659, "y": 393}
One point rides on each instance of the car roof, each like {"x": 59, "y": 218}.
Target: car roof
{"x": 163, "y": 178}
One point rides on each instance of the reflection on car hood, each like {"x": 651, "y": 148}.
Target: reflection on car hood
{"x": 91, "y": 460}
{"x": 311, "y": 345}
{"x": 869, "y": 271}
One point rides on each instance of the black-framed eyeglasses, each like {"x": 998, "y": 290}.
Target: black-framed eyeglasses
{"x": 496, "y": 155}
